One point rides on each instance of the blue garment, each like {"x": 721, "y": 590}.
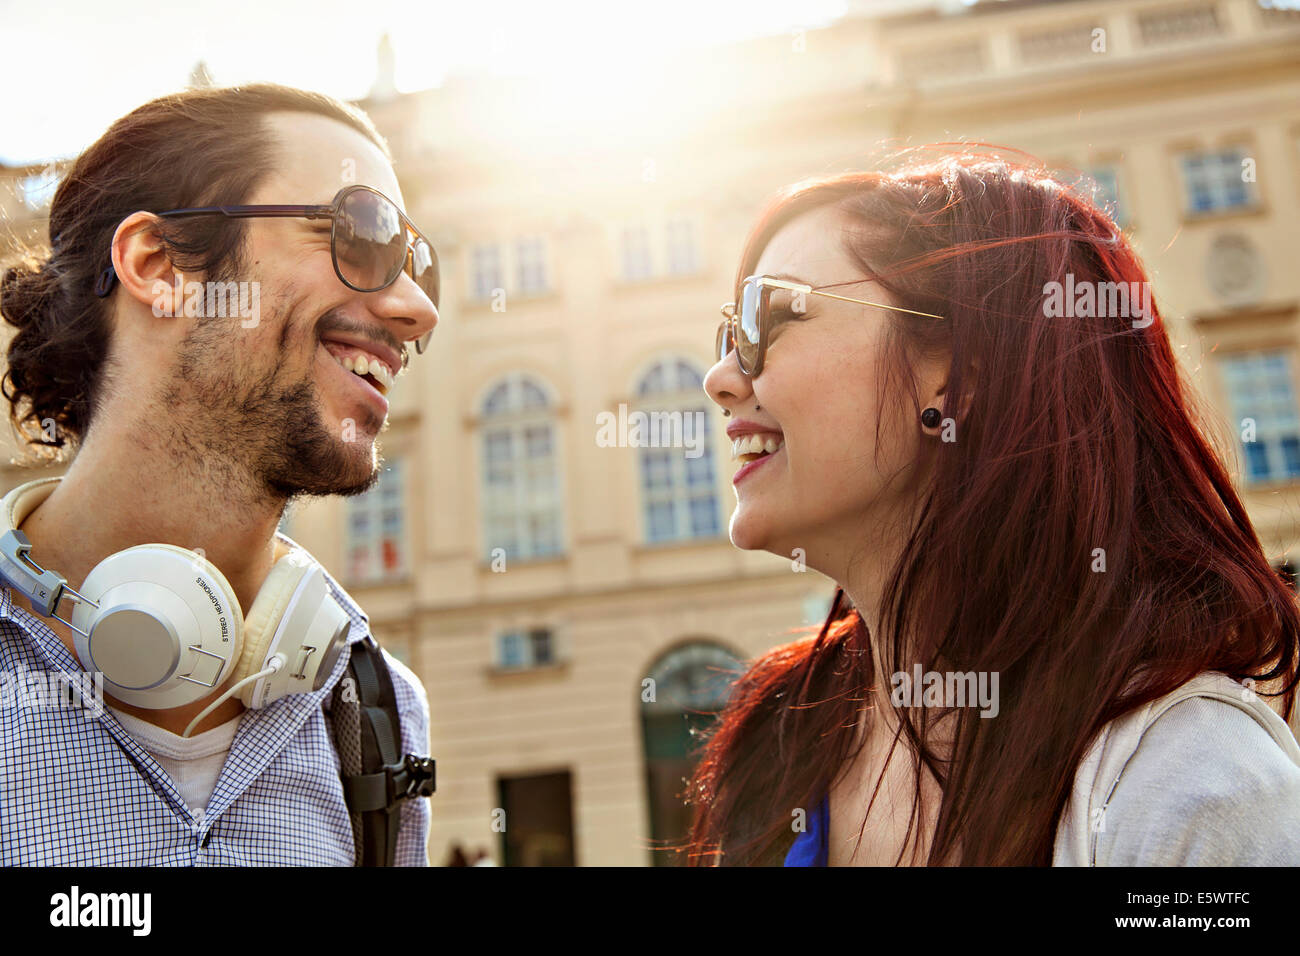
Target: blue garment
{"x": 812, "y": 847}
{"x": 77, "y": 789}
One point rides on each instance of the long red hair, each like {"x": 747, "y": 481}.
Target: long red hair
{"x": 1081, "y": 434}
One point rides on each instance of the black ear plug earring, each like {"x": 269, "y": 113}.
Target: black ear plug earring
{"x": 930, "y": 417}
{"x": 104, "y": 284}
{"x": 726, "y": 413}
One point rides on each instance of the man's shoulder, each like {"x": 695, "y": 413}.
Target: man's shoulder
{"x": 407, "y": 686}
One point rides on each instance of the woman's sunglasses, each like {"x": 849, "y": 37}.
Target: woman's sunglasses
{"x": 371, "y": 240}
{"x": 747, "y": 333}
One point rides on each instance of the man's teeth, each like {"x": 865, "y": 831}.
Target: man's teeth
{"x": 363, "y": 365}
{"x": 749, "y": 447}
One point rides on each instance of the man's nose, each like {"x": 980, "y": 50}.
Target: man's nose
{"x": 407, "y": 311}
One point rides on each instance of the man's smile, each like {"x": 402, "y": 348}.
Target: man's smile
{"x": 363, "y": 363}
{"x": 370, "y": 387}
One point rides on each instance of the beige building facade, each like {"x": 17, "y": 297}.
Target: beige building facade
{"x": 568, "y": 601}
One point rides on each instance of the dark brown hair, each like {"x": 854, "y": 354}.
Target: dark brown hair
{"x": 1082, "y": 433}
{"x": 196, "y": 148}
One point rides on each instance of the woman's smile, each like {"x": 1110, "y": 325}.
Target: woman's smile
{"x": 753, "y": 444}
{"x": 754, "y": 464}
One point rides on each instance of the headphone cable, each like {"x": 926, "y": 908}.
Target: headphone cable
{"x": 273, "y": 666}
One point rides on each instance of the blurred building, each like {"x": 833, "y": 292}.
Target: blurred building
{"x": 572, "y": 608}
{"x": 25, "y": 194}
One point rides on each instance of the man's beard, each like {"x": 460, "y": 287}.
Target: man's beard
{"x": 267, "y": 429}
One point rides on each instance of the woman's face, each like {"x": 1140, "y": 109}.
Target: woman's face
{"x": 831, "y": 488}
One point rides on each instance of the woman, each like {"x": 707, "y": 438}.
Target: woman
{"x": 1015, "y": 500}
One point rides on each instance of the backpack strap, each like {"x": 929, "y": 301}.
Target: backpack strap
{"x": 368, "y": 735}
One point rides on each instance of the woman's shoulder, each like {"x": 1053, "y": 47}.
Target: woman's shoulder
{"x": 1208, "y": 785}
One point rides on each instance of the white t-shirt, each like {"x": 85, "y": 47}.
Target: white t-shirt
{"x": 193, "y": 763}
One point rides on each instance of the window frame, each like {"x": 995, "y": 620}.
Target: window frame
{"x": 679, "y": 496}
{"x": 515, "y": 420}
{"x": 1272, "y": 435}
{"x": 1188, "y": 152}
{"x": 373, "y": 501}
{"x": 660, "y": 249}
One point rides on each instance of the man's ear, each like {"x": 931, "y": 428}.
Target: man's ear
{"x": 143, "y": 266}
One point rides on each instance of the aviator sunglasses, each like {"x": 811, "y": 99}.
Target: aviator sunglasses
{"x": 748, "y": 332}
{"x": 371, "y": 241}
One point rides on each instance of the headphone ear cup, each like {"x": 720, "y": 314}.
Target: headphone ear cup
{"x": 156, "y": 602}
{"x": 264, "y": 617}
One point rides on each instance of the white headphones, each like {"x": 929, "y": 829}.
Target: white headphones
{"x": 164, "y": 627}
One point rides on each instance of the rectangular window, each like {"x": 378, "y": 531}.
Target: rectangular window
{"x": 1262, "y": 402}
{"x": 682, "y": 257}
{"x": 638, "y": 262}
{"x": 375, "y": 529}
{"x": 512, "y": 652}
{"x": 521, "y": 492}
{"x": 661, "y": 521}
{"x": 486, "y": 270}
{"x": 704, "y": 516}
{"x": 678, "y": 495}
{"x": 534, "y": 647}
{"x": 1180, "y": 23}
{"x": 530, "y": 265}
{"x": 1107, "y": 194}
{"x": 1213, "y": 181}
{"x": 540, "y": 641}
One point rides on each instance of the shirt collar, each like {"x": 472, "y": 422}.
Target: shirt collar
{"x": 47, "y": 642}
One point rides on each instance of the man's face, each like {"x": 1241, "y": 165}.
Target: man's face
{"x": 277, "y": 395}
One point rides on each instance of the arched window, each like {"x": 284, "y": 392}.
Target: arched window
{"x": 691, "y": 683}
{"x": 678, "y": 495}
{"x": 522, "y": 513}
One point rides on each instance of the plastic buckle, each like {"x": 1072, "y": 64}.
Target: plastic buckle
{"x": 413, "y": 777}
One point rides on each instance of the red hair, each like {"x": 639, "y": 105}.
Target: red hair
{"x": 1081, "y": 434}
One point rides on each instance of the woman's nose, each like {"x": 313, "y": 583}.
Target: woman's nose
{"x": 726, "y": 384}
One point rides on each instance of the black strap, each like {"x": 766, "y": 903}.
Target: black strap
{"x": 386, "y": 776}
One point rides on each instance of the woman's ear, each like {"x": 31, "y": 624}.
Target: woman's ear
{"x": 968, "y": 389}
{"x": 142, "y": 265}
{"x": 968, "y": 385}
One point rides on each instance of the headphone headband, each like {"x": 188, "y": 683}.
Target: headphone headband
{"x": 43, "y": 588}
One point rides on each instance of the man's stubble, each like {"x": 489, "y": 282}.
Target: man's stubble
{"x": 246, "y": 422}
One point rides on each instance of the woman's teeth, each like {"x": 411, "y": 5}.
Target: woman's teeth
{"x": 748, "y": 447}
{"x": 361, "y": 365}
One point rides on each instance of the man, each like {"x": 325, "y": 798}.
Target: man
{"x": 196, "y": 430}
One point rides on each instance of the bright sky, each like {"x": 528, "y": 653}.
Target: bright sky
{"x": 70, "y": 68}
